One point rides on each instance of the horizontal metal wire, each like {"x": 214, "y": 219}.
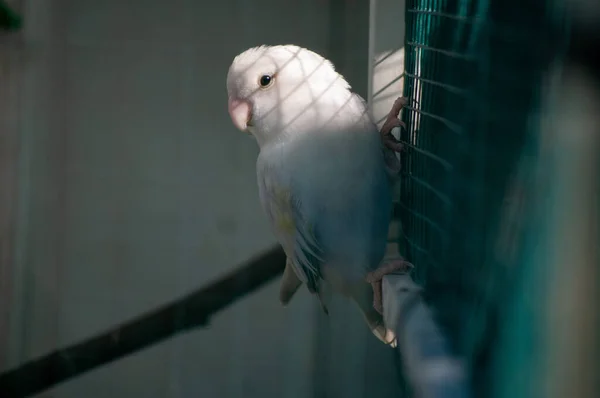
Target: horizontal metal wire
{"x": 426, "y": 219}
{"x": 451, "y": 125}
{"x": 462, "y": 18}
{"x": 415, "y": 246}
{"x": 452, "y": 89}
{"x": 388, "y": 85}
{"x": 386, "y": 57}
{"x": 508, "y": 33}
{"x": 452, "y": 54}
{"x": 429, "y": 187}
{"x": 447, "y": 165}
{"x": 382, "y": 98}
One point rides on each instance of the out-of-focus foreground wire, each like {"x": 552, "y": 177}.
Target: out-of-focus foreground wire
{"x": 551, "y": 345}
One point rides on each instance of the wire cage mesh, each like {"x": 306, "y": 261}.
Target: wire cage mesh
{"x": 473, "y": 75}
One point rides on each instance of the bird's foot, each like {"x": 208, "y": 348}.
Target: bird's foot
{"x": 392, "y": 121}
{"x": 374, "y": 278}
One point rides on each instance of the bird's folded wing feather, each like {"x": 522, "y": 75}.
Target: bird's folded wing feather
{"x": 292, "y": 228}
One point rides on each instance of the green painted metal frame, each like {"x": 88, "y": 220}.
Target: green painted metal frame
{"x": 473, "y": 74}
{"x": 9, "y": 19}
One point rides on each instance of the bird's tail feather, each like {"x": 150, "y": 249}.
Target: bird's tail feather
{"x": 289, "y": 284}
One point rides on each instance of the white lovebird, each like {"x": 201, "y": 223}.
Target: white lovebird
{"x": 323, "y": 172}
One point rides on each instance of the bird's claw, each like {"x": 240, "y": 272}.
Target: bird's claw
{"x": 374, "y": 278}
{"x": 392, "y": 122}
{"x": 392, "y": 142}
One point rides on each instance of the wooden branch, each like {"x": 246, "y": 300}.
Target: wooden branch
{"x": 191, "y": 311}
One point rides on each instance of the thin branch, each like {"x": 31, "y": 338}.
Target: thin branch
{"x": 189, "y": 312}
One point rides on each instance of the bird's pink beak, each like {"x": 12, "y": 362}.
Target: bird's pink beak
{"x": 240, "y": 112}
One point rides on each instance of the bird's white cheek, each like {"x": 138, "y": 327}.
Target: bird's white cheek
{"x": 240, "y": 112}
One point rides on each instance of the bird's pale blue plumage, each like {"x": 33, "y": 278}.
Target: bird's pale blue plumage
{"x": 321, "y": 171}
{"x": 341, "y": 221}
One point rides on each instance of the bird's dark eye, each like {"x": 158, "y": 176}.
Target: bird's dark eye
{"x": 265, "y": 80}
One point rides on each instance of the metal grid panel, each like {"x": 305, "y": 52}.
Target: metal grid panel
{"x": 472, "y": 74}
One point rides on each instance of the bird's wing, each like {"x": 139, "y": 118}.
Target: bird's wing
{"x": 293, "y": 230}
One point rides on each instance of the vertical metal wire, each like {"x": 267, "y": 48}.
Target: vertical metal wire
{"x": 371, "y": 55}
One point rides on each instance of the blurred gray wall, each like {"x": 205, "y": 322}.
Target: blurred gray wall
{"x": 133, "y": 188}
{"x": 9, "y": 94}
{"x": 389, "y": 56}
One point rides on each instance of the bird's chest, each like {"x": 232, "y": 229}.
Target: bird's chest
{"x": 306, "y": 173}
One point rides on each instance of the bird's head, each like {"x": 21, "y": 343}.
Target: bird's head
{"x": 276, "y": 90}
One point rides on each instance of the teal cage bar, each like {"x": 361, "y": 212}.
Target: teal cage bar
{"x": 473, "y": 75}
